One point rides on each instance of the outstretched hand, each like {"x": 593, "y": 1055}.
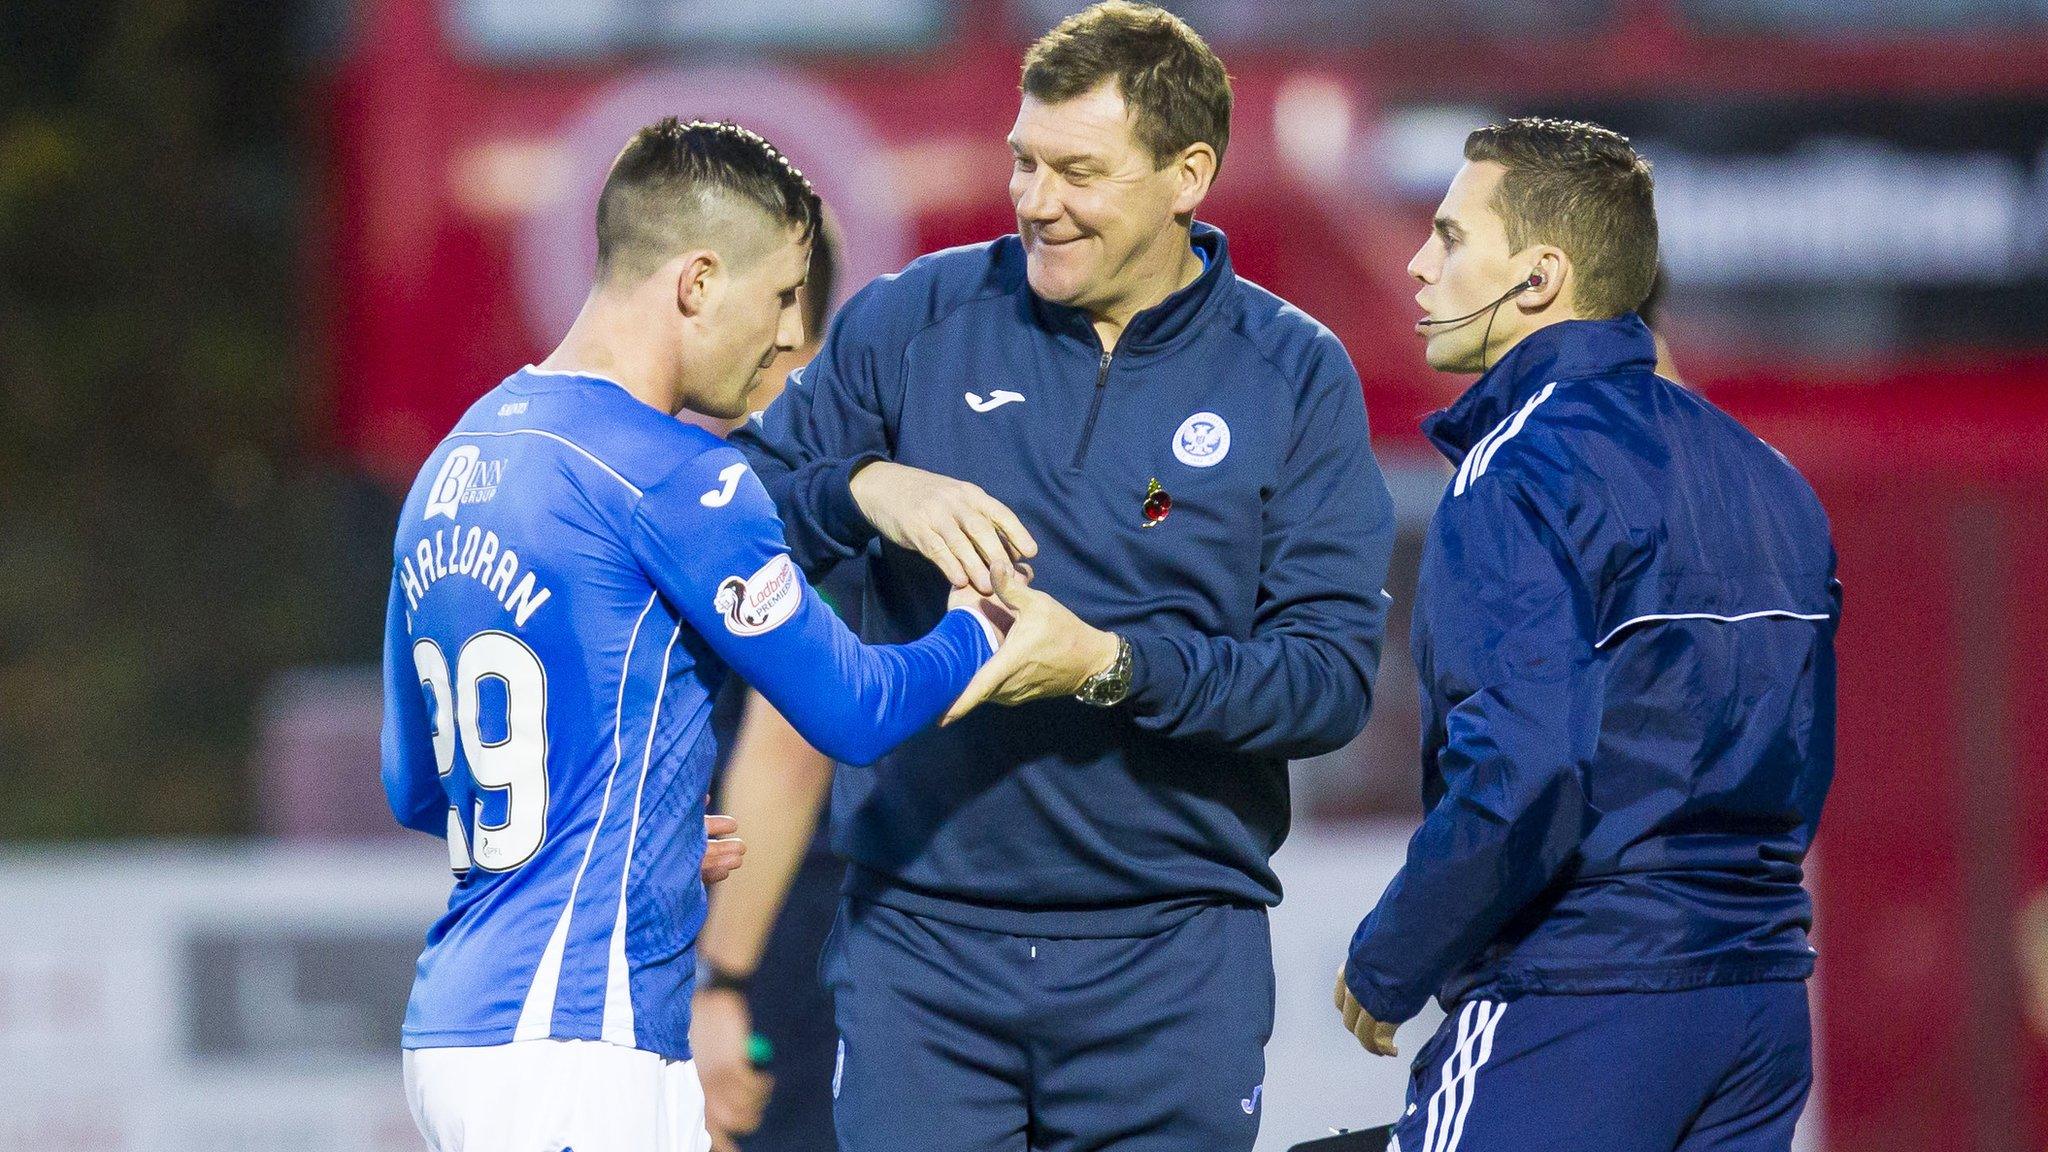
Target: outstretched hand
{"x": 968, "y": 533}
{"x": 1048, "y": 651}
{"x": 995, "y": 616}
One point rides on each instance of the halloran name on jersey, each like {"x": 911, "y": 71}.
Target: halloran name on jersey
{"x": 477, "y": 554}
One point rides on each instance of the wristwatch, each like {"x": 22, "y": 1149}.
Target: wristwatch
{"x": 1109, "y": 686}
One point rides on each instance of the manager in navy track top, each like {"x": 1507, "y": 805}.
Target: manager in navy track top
{"x": 1054, "y": 934}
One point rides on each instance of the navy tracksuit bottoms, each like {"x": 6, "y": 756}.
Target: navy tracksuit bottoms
{"x": 956, "y": 1039}
{"x": 1722, "y": 1069}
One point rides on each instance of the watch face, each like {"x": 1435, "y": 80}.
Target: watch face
{"x": 1112, "y": 684}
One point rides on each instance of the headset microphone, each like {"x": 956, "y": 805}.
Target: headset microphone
{"x": 1535, "y": 280}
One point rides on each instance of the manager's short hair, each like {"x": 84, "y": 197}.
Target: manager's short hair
{"x": 674, "y": 184}
{"x": 1174, "y": 86}
{"x": 1583, "y": 188}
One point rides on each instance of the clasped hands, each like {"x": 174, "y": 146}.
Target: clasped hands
{"x": 981, "y": 548}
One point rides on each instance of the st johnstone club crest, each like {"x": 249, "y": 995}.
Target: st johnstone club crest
{"x": 1202, "y": 441}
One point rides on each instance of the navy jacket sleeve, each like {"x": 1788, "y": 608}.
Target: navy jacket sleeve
{"x": 726, "y": 568}
{"x": 1514, "y": 759}
{"x": 828, "y": 422}
{"x": 1301, "y": 684}
{"x": 412, "y": 779}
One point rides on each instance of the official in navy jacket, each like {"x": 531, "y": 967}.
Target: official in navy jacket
{"x": 1057, "y": 911}
{"x": 1624, "y": 627}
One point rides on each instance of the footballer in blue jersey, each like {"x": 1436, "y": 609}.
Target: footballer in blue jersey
{"x": 574, "y": 572}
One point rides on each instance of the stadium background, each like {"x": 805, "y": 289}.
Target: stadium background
{"x": 254, "y": 257}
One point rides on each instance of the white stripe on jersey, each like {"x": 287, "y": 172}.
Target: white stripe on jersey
{"x": 1471, "y": 460}
{"x": 587, "y": 454}
{"x": 1514, "y": 428}
{"x": 1475, "y": 463}
{"x": 537, "y": 1015}
{"x": 570, "y": 373}
{"x": 1468, "y": 469}
{"x": 618, "y": 990}
{"x": 1783, "y": 613}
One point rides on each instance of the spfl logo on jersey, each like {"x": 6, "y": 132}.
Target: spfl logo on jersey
{"x": 463, "y": 479}
{"x": 761, "y": 602}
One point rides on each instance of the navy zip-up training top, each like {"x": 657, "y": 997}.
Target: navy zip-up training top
{"x": 1624, "y": 626}
{"x": 1254, "y": 607}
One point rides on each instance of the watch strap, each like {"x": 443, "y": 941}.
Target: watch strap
{"x": 1110, "y": 686}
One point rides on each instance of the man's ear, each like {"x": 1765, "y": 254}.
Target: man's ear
{"x": 1548, "y": 265}
{"x": 698, "y": 277}
{"x": 1194, "y": 172}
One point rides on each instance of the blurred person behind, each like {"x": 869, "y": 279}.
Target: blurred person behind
{"x": 1624, "y": 625}
{"x": 759, "y": 1000}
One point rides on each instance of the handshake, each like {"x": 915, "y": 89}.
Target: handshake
{"x": 981, "y": 547}
{"x": 1046, "y": 649}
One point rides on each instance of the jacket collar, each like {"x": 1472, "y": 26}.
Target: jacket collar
{"x": 1563, "y": 351}
{"x": 1165, "y": 323}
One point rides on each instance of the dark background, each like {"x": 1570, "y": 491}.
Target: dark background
{"x": 173, "y": 529}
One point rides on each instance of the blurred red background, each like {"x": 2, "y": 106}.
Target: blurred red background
{"x": 1905, "y": 372}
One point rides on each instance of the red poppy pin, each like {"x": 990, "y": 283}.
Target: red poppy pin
{"x": 1157, "y": 503}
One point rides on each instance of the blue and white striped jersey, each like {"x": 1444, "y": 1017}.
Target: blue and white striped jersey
{"x": 573, "y": 573}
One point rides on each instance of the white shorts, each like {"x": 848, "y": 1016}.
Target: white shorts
{"x": 554, "y": 1096}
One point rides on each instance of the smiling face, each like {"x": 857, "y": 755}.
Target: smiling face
{"x": 1097, "y": 215}
{"x": 1465, "y": 265}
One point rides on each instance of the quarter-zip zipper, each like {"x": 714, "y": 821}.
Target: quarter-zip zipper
{"x": 1094, "y": 409}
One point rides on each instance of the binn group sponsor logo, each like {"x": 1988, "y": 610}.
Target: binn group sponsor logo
{"x": 761, "y": 602}
{"x": 465, "y": 478}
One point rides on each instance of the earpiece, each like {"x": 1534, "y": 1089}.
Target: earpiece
{"x": 1535, "y": 280}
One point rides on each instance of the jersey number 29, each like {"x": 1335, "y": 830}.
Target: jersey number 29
{"x": 513, "y": 761}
